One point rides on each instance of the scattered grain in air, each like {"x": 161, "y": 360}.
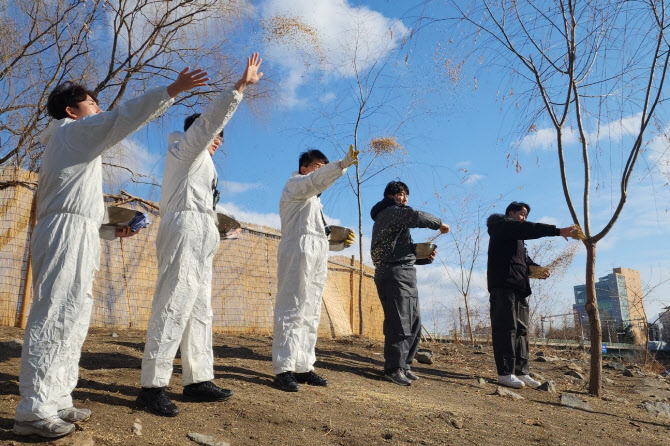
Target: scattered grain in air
{"x": 386, "y": 146}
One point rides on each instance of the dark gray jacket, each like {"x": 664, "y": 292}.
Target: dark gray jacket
{"x": 391, "y": 240}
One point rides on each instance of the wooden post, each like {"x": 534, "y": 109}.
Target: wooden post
{"x": 125, "y": 282}
{"x": 28, "y": 278}
{"x": 351, "y": 294}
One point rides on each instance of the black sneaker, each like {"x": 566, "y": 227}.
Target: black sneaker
{"x": 156, "y": 400}
{"x": 409, "y": 374}
{"x": 206, "y": 391}
{"x": 397, "y": 376}
{"x": 310, "y": 378}
{"x": 287, "y": 382}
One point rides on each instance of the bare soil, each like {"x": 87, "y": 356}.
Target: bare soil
{"x": 446, "y": 406}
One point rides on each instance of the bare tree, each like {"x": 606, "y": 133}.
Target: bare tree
{"x": 594, "y": 70}
{"x": 466, "y": 213}
{"x": 116, "y": 47}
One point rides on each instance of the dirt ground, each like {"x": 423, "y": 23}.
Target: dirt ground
{"x": 446, "y": 406}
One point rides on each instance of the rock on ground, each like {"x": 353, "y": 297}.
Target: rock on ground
{"x": 571, "y": 400}
{"x": 205, "y": 440}
{"x": 575, "y": 374}
{"x": 656, "y": 408}
{"x": 548, "y": 387}
{"x": 424, "y": 357}
{"x": 502, "y": 391}
{"x": 137, "y": 427}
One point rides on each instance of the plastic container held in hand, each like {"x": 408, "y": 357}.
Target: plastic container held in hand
{"x": 115, "y": 217}
{"x": 538, "y": 272}
{"x": 229, "y": 228}
{"x": 424, "y": 250}
{"x": 338, "y": 235}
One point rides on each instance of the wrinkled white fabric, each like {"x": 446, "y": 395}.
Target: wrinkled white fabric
{"x": 302, "y": 259}
{"x": 181, "y": 312}
{"x": 66, "y": 249}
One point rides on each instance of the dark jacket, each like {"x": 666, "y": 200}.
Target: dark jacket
{"x": 391, "y": 240}
{"x": 508, "y": 259}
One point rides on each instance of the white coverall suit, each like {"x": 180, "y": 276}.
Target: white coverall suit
{"x": 188, "y": 238}
{"x": 65, "y": 247}
{"x": 302, "y": 259}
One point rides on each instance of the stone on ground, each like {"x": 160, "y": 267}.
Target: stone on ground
{"x": 571, "y": 400}
{"x": 502, "y": 391}
{"x": 205, "y": 440}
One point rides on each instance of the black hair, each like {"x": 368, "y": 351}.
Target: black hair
{"x": 395, "y": 187}
{"x": 516, "y": 207}
{"x": 188, "y": 122}
{"x": 67, "y": 94}
{"x": 308, "y": 157}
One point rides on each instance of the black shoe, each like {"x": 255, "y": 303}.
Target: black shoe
{"x": 206, "y": 391}
{"x": 409, "y": 374}
{"x": 397, "y": 376}
{"x": 311, "y": 378}
{"x": 286, "y": 381}
{"x": 156, "y": 400}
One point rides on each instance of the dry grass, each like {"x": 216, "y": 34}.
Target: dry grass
{"x": 386, "y": 146}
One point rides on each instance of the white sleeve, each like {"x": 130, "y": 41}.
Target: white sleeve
{"x": 209, "y": 124}
{"x": 92, "y": 135}
{"x": 303, "y": 187}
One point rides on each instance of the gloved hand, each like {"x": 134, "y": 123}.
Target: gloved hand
{"x": 351, "y": 238}
{"x": 351, "y": 158}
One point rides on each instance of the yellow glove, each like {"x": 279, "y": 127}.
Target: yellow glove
{"x": 351, "y": 238}
{"x": 351, "y": 158}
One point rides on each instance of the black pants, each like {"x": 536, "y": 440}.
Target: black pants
{"x": 396, "y": 287}
{"x": 509, "y": 331}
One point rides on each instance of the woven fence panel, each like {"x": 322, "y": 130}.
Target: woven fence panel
{"x": 244, "y": 275}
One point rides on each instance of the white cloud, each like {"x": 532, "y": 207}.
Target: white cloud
{"x": 549, "y": 221}
{"x": 234, "y": 187}
{"x": 130, "y": 156}
{"x": 270, "y": 219}
{"x": 327, "y": 97}
{"x": 346, "y": 37}
{"x": 472, "y": 178}
{"x": 545, "y": 138}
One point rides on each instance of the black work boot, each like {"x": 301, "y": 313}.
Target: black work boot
{"x": 206, "y": 391}
{"x": 287, "y": 382}
{"x": 311, "y": 378}
{"x": 156, "y": 400}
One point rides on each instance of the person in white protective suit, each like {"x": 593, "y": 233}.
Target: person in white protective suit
{"x": 302, "y": 259}
{"x": 188, "y": 238}
{"x": 66, "y": 245}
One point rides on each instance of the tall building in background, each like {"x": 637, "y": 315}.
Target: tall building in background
{"x": 620, "y": 304}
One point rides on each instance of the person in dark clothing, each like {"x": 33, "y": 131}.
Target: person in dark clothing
{"x": 394, "y": 256}
{"x": 509, "y": 288}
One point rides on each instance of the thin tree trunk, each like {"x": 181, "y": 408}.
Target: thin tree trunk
{"x": 360, "y": 253}
{"x": 467, "y": 314}
{"x": 595, "y": 384}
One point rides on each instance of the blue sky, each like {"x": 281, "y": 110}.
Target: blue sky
{"x": 456, "y": 140}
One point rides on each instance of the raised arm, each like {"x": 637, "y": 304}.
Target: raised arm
{"x": 521, "y": 230}
{"x": 92, "y": 135}
{"x": 217, "y": 114}
{"x": 302, "y": 187}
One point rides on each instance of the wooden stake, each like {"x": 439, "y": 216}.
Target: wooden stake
{"x": 28, "y": 278}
